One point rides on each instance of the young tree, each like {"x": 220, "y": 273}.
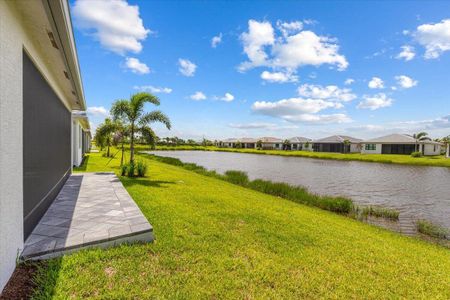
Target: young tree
{"x": 420, "y": 137}
{"x": 131, "y": 113}
{"x": 105, "y": 133}
{"x": 346, "y": 145}
{"x": 259, "y": 145}
{"x": 286, "y": 145}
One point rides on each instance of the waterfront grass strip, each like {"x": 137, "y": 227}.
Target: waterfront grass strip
{"x": 436, "y": 161}
{"x": 220, "y": 240}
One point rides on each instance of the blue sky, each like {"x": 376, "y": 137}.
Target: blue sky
{"x": 256, "y": 68}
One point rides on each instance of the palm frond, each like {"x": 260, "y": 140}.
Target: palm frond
{"x": 155, "y": 116}
{"x": 138, "y": 100}
{"x": 121, "y": 110}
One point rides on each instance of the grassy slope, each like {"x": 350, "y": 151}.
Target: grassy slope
{"x": 218, "y": 240}
{"x": 437, "y": 161}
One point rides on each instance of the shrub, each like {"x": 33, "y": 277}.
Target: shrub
{"x": 416, "y": 154}
{"x": 430, "y": 229}
{"x": 131, "y": 169}
{"x": 123, "y": 169}
{"x": 141, "y": 168}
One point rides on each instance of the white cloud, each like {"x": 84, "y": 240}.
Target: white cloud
{"x": 216, "y": 40}
{"x": 441, "y": 122}
{"x": 154, "y": 89}
{"x": 98, "y": 111}
{"x": 186, "y": 67}
{"x": 375, "y": 102}
{"x": 405, "y": 81}
{"x": 268, "y": 126}
{"x": 259, "y": 34}
{"x": 290, "y": 28}
{"x": 320, "y": 119}
{"x": 376, "y": 83}
{"x": 279, "y": 77}
{"x": 227, "y": 97}
{"x": 198, "y": 96}
{"x": 349, "y": 81}
{"x": 434, "y": 37}
{"x": 330, "y": 92}
{"x": 290, "y": 51}
{"x": 115, "y": 24}
{"x": 407, "y": 53}
{"x": 136, "y": 66}
{"x": 291, "y": 106}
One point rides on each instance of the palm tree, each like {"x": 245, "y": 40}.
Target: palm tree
{"x": 420, "y": 137}
{"x": 286, "y": 145}
{"x": 259, "y": 144}
{"x": 131, "y": 112}
{"x": 346, "y": 144}
{"x": 104, "y": 133}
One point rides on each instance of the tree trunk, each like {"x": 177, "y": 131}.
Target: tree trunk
{"x": 107, "y": 153}
{"x": 132, "y": 143}
{"x": 121, "y": 159}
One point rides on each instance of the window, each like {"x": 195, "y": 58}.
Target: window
{"x": 277, "y": 145}
{"x": 370, "y": 147}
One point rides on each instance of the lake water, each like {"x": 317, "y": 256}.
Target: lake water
{"x": 417, "y": 192}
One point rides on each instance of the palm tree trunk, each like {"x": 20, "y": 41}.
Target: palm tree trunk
{"x": 132, "y": 143}
{"x": 121, "y": 159}
{"x": 107, "y": 153}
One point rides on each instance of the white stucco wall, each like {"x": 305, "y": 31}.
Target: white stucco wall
{"x": 429, "y": 149}
{"x": 13, "y": 39}
{"x": 376, "y": 151}
{"x": 354, "y": 148}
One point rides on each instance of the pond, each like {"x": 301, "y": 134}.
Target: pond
{"x": 417, "y": 192}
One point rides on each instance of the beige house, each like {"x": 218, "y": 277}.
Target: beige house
{"x": 300, "y": 143}
{"x": 400, "y": 144}
{"x": 337, "y": 144}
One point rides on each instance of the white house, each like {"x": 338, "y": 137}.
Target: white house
{"x": 271, "y": 143}
{"x": 40, "y": 86}
{"x": 300, "y": 143}
{"x": 400, "y": 144}
{"x": 337, "y": 143}
{"x": 81, "y": 137}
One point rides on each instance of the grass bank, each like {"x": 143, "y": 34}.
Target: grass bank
{"x": 436, "y": 161}
{"x": 220, "y": 240}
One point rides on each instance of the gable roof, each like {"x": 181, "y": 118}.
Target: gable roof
{"x": 399, "y": 139}
{"x": 299, "y": 139}
{"x": 338, "y": 139}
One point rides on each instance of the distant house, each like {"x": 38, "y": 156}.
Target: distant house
{"x": 337, "y": 144}
{"x": 40, "y": 88}
{"x": 400, "y": 144}
{"x": 300, "y": 143}
{"x": 248, "y": 143}
{"x": 228, "y": 143}
{"x": 271, "y": 143}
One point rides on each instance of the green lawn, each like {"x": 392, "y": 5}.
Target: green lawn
{"x": 437, "y": 161}
{"x": 217, "y": 240}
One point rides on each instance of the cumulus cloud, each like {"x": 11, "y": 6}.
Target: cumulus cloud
{"x": 376, "y": 83}
{"x": 434, "y": 37}
{"x": 375, "y": 102}
{"x": 320, "y": 119}
{"x": 293, "y": 49}
{"x": 227, "y": 97}
{"x": 279, "y": 77}
{"x": 115, "y": 24}
{"x": 330, "y": 92}
{"x": 198, "y": 96}
{"x": 438, "y": 123}
{"x": 289, "y": 28}
{"x": 154, "y": 89}
{"x": 98, "y": 111}
{"x": 136, "y": 66}
{"x": 186, "y": 67}
{"x": 407, "y": 53}
{"x": 216, "y": 40}
{"x": 405, "y": 82}
{"x": 349, "y": 81}
{"x": 268, "y": 126}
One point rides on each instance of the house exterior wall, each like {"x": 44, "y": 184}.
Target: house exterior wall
{"x": 376, "y": 151}
{"x": 355, "y": 148}
{"x": 431, "y": 149}
{"x": 14, "y": 39}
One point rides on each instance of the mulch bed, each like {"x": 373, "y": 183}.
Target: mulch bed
{"x": 20, "y": 285}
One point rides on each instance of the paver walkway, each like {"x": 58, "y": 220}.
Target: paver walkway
{"x": 92, "y": 209}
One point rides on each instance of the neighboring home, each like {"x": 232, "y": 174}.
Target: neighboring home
{"x": 271, "y": 143}
{"x": 40, "y": 86}
{"x": 300, "y": 143}
{"x": 81, "y": 137}
{"x": 337, "y": 143}
{"x": 248, "y": 143}
{"x": 400, "y": 144}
